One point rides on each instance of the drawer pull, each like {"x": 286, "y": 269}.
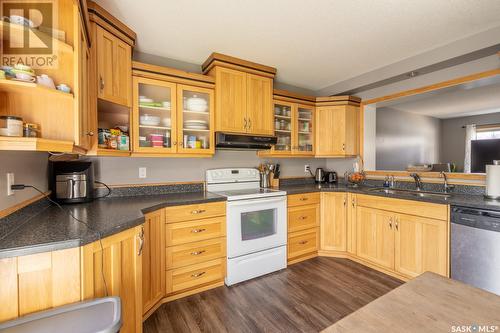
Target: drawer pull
{"x": 197, "y": 253}
{"x": 302, "y": 217}
{"x": 303, "y": 242}
{"x": 198, "y": 211}
{"x": 197, "y": 275}
{"x": 303, "y": 199}
{"x": 195, "y": 231}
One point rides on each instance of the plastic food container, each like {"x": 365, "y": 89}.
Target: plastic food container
{"x": 11, "y": 126}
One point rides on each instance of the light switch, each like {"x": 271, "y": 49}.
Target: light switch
{"x": 142, "y": 172}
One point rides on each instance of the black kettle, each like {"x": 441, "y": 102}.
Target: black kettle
{"x": 319, "y": 176}
{"x": 331, "y": 177}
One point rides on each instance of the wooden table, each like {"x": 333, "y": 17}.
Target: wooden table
{"x": 428, "y": 303}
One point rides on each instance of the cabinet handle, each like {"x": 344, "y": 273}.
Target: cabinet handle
{"x": 303, "y": 199}
{"x": 245, "y": 123}
{"x": 303, "y": 242}
{"x": 90, "y": 133}
{"x": 353, "y": 203}
{"x": 343, "y": 147}
{"x": 345, "y": 202}
{"x": 249, "y": 123}
{"x": 197, "y": 253}
{"x": 198, "y": 211}
{"x": 196, "y": 275}
{"x": 397, "y": 224}
{"x": 101, "y": 83}
{"x": 390, "y": 222}
{"x": 141, "y": 241}
{"x": 302, "y": 217}
{"x": 195, "y": 231}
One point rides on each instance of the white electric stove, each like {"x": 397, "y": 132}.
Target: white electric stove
{"x": 256, "y": 223}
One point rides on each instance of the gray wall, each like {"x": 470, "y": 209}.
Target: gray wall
{"x": 28, "y": 168}
{"x": 116, "y": 170}
{"x": 453, "y": 136}
{"x": 404, "y": 138}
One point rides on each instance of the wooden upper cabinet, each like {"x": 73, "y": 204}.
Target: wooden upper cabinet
{"x": 87, "y": 126}
{"x": 231, "y": 100}
{"x": 333, "y": 221}
{"x": 421, "y": 245}
{"x": 259, "y": 113}
{"x": 114, "y": 65}
{"x": 375, "y": 236}
{"x": 337, "y": 130}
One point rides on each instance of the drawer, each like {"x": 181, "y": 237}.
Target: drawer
{"x": 195, "y": 212}
{"x": 194, "y": 231}
{"x": 303, "y": 217}
{"x": 194, "y": 276}
{"x": 303, "y": 199}
{"x": 302, "y": 242}
{"x": 195, "y": 253}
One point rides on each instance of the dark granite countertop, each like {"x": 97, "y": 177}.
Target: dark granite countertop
{"x": 456, "y": 199}
{"x": 51, "y": 229}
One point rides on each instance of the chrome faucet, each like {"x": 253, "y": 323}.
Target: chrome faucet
{"x": 447, "y": 187}
{"x": 418, "y": 181}
{"x": 392, "y": 181}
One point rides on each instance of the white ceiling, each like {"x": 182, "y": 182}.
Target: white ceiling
{"x": 475, "y": 98}
{"x": 313, "y": 44}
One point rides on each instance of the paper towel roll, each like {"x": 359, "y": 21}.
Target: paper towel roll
{"x": 493, "y": 180}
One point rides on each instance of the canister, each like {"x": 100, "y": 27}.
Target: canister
{"x": 11, "y": 126}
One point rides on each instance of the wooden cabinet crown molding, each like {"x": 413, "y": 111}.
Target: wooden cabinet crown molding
{"x": 102, "y": 17}
{"x": 223, "y": 60}
{"x": 338, "y": 100}
{"x": 171, "y": 74}
{"x": 289, "y": 96}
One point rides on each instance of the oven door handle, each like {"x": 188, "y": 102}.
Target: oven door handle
{"x": 265, "y": 200}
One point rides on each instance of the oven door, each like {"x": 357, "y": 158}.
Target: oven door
{"x": 255, "y": 224}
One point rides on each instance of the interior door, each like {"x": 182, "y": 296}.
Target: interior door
{"x": 333, "y": 221}
{"x": 105, "y": 64}
{"x": 421, "y": 245}
{"x": 375, "y": 236}
{"x": 231, "y": 106}
{"x": 259, "y": 105}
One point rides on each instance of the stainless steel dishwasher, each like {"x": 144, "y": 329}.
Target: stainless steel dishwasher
{"x": 475, "y": 247}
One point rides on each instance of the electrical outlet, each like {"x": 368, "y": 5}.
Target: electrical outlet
{"x": 10, "y": 182}
{"x": 142, "y": 172}
{"x": 307, "y": 168}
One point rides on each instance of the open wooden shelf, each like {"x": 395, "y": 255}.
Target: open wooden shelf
{"x": 16, "y": 31}
{"x": 113, "y": 152}
{"x": 12, "y": 86}
{"x": 34, "y": 144}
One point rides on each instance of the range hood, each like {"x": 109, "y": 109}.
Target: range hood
{"x": 243, "y": 142}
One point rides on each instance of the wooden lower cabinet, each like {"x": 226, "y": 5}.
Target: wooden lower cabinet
{"x": 375, "y": 237}
{"x": 153, "y": 260}
{"x": 351, "y": 223}
{"x": 38, "y": 282}
{"x": 406, "y": 244}
{"x": 195, "y": 240}
{"x": 421, "y": 245}
{"x": 303, "y": 223}
{"x": 113, "y": 267}
{"x": 333, "y": 221}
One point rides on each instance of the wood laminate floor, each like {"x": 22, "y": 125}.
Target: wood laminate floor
{"x": 305, "y": 297}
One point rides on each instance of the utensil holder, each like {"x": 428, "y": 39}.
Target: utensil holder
{"x": 265, "y": 180}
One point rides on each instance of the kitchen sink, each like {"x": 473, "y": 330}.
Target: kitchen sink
{"x": 420, "y": 194}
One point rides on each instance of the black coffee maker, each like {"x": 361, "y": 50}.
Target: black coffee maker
{"x": 331, "y": 177}
{"x": 71, "y": 181}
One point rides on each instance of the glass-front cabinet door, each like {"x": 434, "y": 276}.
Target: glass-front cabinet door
{"x": 304, "y": 133}
{"x": 283, "y": 128}
{"x": 195, "y": 116}
{"x": 154, "y": 116}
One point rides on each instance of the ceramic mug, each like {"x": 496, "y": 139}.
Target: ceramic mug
{"x": 46, "y": 81}
{"x": 64, "y": 88}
